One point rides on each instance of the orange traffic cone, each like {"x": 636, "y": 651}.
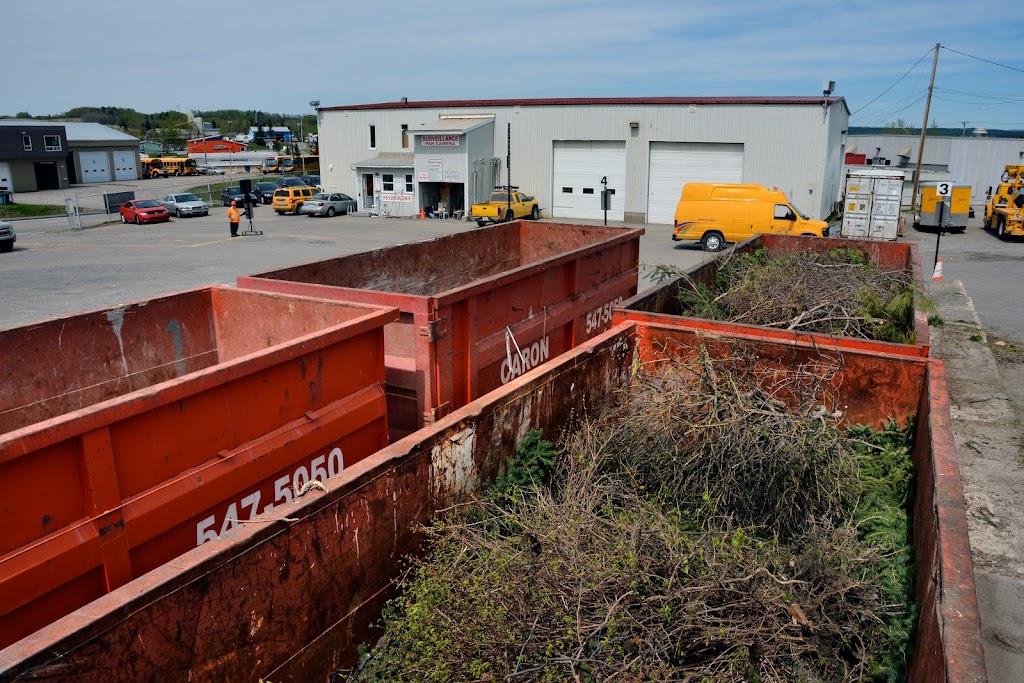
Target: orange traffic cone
{"x": 937, "y": 275}
{"x": 423, "y": 214}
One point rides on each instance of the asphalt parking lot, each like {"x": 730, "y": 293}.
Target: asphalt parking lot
{"x": 55, "y": 271}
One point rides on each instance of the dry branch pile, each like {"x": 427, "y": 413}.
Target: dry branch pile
{"x": 836, "y": 292}
{"x": 706, "y": 529}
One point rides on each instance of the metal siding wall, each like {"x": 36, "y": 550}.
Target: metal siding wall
{"x": 979, "y": 162}
{"x": 481, "y": 148}
{"x": 784, "y": 145}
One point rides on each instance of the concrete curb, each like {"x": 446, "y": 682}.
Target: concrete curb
{"x": 986, "y": 432}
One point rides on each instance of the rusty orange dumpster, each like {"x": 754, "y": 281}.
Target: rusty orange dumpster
{"x": 130, "y": 435}
{"x": 479, "y": 308}
{"x": 293, "y": 598}
{"x": 661, "y": 302}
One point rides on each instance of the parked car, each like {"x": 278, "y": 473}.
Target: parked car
{"x": 291, "y": 181}
{"x": 7, "y": 237}
{"x": 264, "y": 191}
{"x": 233, "y": 194}
{"x": 312, "y": 180}
{"x": 328, "y": 204}
{"x": 185, "y": 204}
{"x": 209, "y": 170}
{"x": 290, "y": 199}
{"x": 141, "y": 211}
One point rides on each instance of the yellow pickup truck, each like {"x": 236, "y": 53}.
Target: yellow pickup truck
{"x": 498, "y": 209}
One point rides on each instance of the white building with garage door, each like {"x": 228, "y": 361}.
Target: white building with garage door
{"x": 401, "y": 156}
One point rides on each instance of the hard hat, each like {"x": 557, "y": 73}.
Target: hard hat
{"x": 232, "y": 202}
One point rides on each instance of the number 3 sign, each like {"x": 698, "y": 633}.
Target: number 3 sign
{"x": 944, "y": 189}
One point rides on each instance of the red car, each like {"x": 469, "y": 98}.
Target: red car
{"x": 144, "y": 211}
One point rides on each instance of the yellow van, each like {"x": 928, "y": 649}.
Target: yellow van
{"x": 716, "y": 213}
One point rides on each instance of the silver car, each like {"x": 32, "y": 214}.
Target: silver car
{"x": 7, "y": 236}
{"x": 185, "y": 204}
{"x": 328, "y": 204}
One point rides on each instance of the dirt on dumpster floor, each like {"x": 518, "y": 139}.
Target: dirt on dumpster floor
{"x": 986, "y": 391}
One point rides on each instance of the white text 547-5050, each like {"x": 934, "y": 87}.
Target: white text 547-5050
{"x": 602, "y": 315}
{"x": 320, "y": 468}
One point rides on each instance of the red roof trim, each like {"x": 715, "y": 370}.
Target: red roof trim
{"x": 587, "y": 101}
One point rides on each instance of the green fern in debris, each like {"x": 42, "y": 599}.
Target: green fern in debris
{"x": 883, "y": 522}
{"x": 531, "y": 466}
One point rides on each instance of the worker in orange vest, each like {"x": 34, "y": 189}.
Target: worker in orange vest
{"x": 233, "y": 218}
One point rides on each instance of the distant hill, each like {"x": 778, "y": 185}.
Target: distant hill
{"x": 939, "y": 132}
{"x": 174, "y": 127}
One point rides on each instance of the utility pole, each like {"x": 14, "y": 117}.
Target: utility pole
{"x": 924, "y": 130}
{"x": 965, "y": 128}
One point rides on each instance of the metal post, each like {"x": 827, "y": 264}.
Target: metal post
{"x": 938, "y": 236}
{"x": 508, "y": 167}
{"x": 924, "y": 130}
{"x": 605, "y": 198}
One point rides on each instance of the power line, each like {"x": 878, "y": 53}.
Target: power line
{"x": 897, "y": 105}
{"x": 894, "y": 84}
{"x": 888, "y": 114}
{"x": 987, "y": 61}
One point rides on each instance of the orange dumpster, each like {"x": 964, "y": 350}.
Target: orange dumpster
{"x": 661, "y": 303}
{"x": 292, "y": 599}
{"x": 130, "y": 435}
{"x": 479, "y": 308}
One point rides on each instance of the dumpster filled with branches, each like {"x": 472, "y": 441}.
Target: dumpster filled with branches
{"x": 860, "y": 294}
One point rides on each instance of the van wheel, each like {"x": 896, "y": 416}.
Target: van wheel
{"x": 712, "y": 241}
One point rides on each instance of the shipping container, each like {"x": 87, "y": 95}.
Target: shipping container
{"x": 871, "y": 203}
{"x": 130, "y": 435}
{"x": 291, "y": 599}
{"x": 950, "y": 210}
{"x": 479, "y": 308}
{"x": 661, "y": 302}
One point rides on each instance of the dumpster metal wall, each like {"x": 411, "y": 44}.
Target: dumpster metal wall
{"x": 132, "y": 434}
{"x": 479, "y": 308}
{"x": 290, "y": 599}
{"x": 661, "y": 303}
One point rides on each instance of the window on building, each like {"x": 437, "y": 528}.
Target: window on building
{"x": 26, "y": 142}
{"x": 588, "y": 190}
{"x": 389, "y": 182}
{"x": 408, "y": 182}
{"x": 405, "y": 136}
{"x": 373, "y": 137}
{"x": 567, "y": 190}
{"x": 52, "y": 143}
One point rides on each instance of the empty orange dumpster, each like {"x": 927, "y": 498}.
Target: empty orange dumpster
{"x": 661, "y": 303}
{"x": 292, "y": 599}
{"x": 130, "y": 435}
{"x": 479, "y": 308}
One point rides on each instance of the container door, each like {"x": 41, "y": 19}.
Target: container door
{"x": 125, "y": 165}
{"x": 578, "y": 169}
{"x": 885, "y": 208}
{"x": 858, "y": 207}
{"x": 95, "y": 167}
{"x": 673, "y": 164}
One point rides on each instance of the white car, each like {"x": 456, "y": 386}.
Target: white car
{"x": 209, "y": 170}
{"x": 185, "y": 204}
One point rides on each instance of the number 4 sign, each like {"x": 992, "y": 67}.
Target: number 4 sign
{"x": 944, "y": 189}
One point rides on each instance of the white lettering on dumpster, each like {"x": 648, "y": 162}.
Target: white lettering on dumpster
{"x": 601, "y": 316}
{"x": 532, "y": 356}
{"x": 321, "y": 468}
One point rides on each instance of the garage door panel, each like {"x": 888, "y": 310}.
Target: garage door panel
{"x": 124, "y": 165}
{"x": 95, "y": 167}
{"x": 578, "y": 168}
{"x": 673, "y": 164}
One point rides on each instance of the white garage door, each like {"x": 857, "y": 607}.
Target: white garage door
{"x": 6, "y": 182}
{"x": 578, "y": 169}
{"x": 124, "y": 165}
{"x": 95, "y": 167}
{"x": 673, "y": 164}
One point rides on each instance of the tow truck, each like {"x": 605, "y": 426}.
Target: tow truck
{"x": 1004, "y": 211}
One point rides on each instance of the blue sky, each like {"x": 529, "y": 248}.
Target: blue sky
{"x": 277, "y": 56}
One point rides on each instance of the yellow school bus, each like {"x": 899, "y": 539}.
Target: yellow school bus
{"x": 179, "y": 165}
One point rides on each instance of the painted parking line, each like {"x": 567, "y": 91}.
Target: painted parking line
{"x": 203, "y": 244}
